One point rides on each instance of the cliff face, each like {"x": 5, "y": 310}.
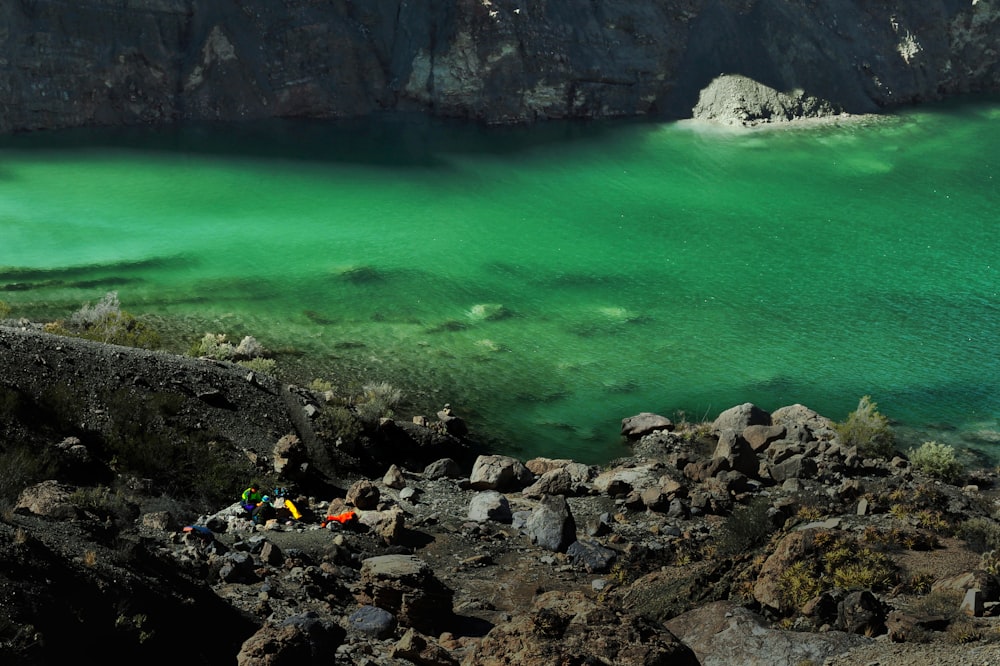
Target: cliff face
{"x": 79, "y": 62}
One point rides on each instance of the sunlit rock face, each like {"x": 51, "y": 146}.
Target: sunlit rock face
{"x": 498, "y": 61}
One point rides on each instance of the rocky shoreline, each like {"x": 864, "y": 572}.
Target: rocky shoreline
{"x": 759, "y": 538}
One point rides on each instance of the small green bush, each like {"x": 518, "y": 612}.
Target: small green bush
{"x": 868, "y": 430}
{"x": 799, "y": 583}
{"x": 320, "y": 385}
{"x": 105, "y": 503}
{"x": 338, "y": 422}
{"x": 981, "y": 534}
{"x": 377, "y": 401}
{"x": 4, "y": 310}
{"x": 106, "y": 322}
{"x": 936, "y": 460}
{"x": 263, "y": 366}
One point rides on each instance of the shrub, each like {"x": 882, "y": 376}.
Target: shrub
{"x": 936, "y": 460}
{"x": 338, "y": 423}
{"x": 990, "y": 562}
{"x": 215, "y": 345}
{"x": 798, "y": 584}
{"x": 377, "y": 401}
{"x": 836, "y": 562}
{"x": 964, "y": 630}
{"x": 868, "y": 430}
{"x": 105, "y": 503}
{"x": 4, "y": 310}
{"x": 263, "y": 366}
{"x": 747, "y": 528}
{"x": 320, "y": 385}
{"x": 106, "y": 322}
{"x": 981, "y": 534}
{"x": 22, "y": 465}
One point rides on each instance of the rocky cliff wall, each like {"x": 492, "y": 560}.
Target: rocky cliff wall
{"x": 82, "y": 62}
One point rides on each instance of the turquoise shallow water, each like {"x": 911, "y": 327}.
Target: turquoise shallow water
{"x": 549, "y": 281}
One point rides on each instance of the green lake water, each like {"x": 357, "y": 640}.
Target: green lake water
{"x": 549, "y": 281}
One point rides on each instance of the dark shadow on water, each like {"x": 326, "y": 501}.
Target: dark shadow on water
{"x": 67, "y": 273}
{"x": 107, "y": 276}
{"x": 395, "y": 140}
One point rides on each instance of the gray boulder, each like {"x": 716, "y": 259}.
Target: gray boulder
{"x": 636, "y": 427}
{"x": 592, "y": 556}
{"x": 553, "y": 482}
{"x": 551, "y": 525}
{"x": 726, "y": 634}
{"x": 495, "y": 472}
{"x": 739, "y": 417}
{"x": 372, "y": 621}
{"x": 489, "y": 505}
{"x": 444, "y": 468}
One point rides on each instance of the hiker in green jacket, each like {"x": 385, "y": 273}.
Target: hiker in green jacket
{"x": 251, "y": 498}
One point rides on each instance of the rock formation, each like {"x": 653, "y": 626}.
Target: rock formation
{"x": 97, "y": 62}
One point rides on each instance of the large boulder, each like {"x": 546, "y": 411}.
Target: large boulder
{"x": 726, "y": 634}
{"x": 420, "y": 649}
{"x": 405, "y": 586}
{"x": 553, "y": 482}
{"x": 48, "y": 498}
{"x": 621, "y": 481}
{"x": 415, "y": 445}
{"x": 739, "y": 417}
{"x": 737, "y": 452}
{"x": 299, "y": 640}
{"x": 551, "y": 525}
{"x": 489, "y": 505}
{"x": 372, "y": 621}
{"x": 443, "y": 468}
{"x": 388, "y": 525}
{"x": 580, "y": 474}
{"x": 496, "y": 472}
{"x": 760, "y": 436}
{"x": 791, "y": 548}
{"x": 290, "y": 457}
{"x": 568, "y": 628}
{"x": 363, "y": 494}
{"x": 640, "y": 425}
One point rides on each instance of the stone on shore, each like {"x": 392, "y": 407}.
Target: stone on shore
{"x": 740, "y": 417}
{"x": 489, "y": 505}
{"x": 496, "y": 472}
{"x": 551, "y": 525}
{"x": 640, "y": 425}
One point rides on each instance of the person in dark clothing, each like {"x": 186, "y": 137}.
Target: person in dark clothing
{"x": 263, "y": 512}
